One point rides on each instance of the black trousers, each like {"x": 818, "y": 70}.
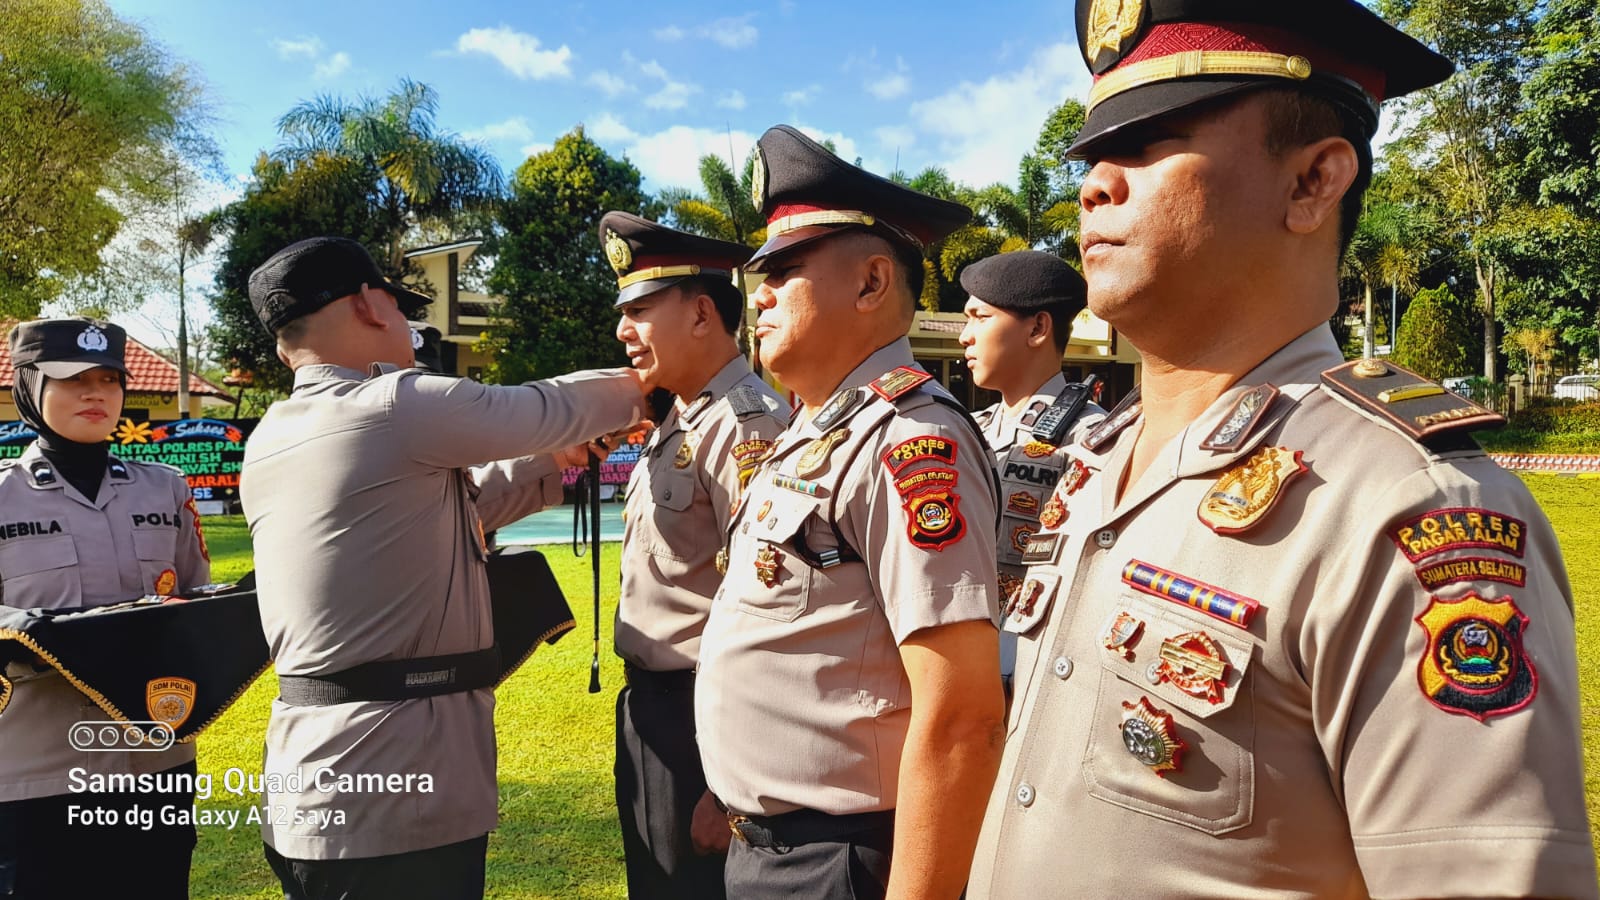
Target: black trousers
{"x": 451, "y": 872}
{"x": 659, "y": 781}
{"x": 855, "y": 867}
{"x": 42, "y": 857}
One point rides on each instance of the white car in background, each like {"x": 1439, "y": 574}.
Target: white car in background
{"x": 1578, "y": 387}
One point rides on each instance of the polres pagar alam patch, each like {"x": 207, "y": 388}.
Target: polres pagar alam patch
{"x": 1473, "y": 662}
{"x": 1459, "y": 528}
{"x": 927, "y": 446}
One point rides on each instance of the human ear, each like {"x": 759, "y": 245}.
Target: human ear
{"x": 1323, "y": 172}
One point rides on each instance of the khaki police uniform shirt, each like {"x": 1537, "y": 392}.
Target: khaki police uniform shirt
{"x": 368, "y": 546}
{"x": 1028, "y": 470}
{"x": 680, "y": 496}
{"x": 58, "y": 550}
{"x": 1340, "y": 752}
{"x": 801, "y": 699}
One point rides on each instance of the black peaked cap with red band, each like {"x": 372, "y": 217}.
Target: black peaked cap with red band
{"x": 805, "y": 193}
{"x": 1154, "y": 57}
{"x": 648, "y": 256}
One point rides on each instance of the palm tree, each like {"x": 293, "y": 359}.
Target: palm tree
{"x": 1384, "y": 250}
{"x": 429, "y": 176}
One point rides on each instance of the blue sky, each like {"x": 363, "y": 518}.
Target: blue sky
{"x": 960, "y": 85}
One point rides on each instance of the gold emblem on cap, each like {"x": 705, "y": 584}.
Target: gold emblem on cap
{"x": 1111, "y": 24}
{"x": 758, "y": 179}
{"x": 618, "y": 253}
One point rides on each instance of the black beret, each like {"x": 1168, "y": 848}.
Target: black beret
{"x": 805, "y": 192}
{"x": 648, "y": 256}
{"x": 426, "y": 347}
{"x": 1153, "y": 57}
{"x": 62, "y": 348}
{"x": 1026, "y": 282}
{"x": 308, "y": 275}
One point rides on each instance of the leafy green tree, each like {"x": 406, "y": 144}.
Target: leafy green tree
{"x": 1561, "y": 96}
{"x": 283, "y": 204}
{"x": 87, "y": 101}
{"x": 558, "y": 289}
{"x": 1435, "y": 335}
{"x": 1463, "y": 131}
{"x": 425, "y": 175}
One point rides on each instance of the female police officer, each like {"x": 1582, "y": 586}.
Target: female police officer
{"x": 91, "y": 530}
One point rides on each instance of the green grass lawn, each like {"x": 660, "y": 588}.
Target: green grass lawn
{"x": 558, "y": 834}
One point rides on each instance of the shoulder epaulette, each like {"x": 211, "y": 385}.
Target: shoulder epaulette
{"x": 42, "y": 472}
{"x": 695, "y": 408}
{"x": 899, "y": 382}
{"x": 746, "y": 401}
{"x": 1419, "y": 408}
{"x": 1032, "y": 413}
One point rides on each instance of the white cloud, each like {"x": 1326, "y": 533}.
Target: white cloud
{"x": 801, "y": 96}
{"x": 984, "y": 129}
{"x": 671, "y": 158}
{"x": 673, "y": 94}
{"x": 518, "y": 52}
{"x": 332, "y": 67}
{"x": 609, "y": 84}
{"x": 654, "y": 70}
{"x": 308, "y": 47}
{"x": 732, "y": 100}
{"x": 515, "y": 128}
{"x": 733, "y": 32}
{"x": 890, "y": 87}
{"x": 607, "y": 128}
{"x": 534, "y": 149}
{"x": 895, "y": 137}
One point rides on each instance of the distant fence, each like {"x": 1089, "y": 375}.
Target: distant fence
{"x": 1559, "y": 463}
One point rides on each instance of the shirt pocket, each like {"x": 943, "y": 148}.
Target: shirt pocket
{"x": 41, "y": 573}
{"x": 156, "y": 549}
{"x": 1160, "y": 695}
{"x": 670, "y": 533}
{"x": 782, "y": 578}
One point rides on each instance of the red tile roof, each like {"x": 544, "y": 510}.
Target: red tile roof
{"x": 148, "y": 373}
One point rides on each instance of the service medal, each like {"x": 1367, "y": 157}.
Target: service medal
{"x": 1054, "y": 512}
{"x": 767, "y": 559}
{"x": 1194, "y": 664}
{"x": 1149, "y": 736}
{"x": 685, "y": 454}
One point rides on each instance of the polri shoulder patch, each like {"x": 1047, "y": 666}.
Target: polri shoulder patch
{"x": 1473, "y": 663}
{"x": 926, "y": 446}
{"x": 1420, "y": 409}
{"x": 1460, "y": 528}
{"x": 898, "y": 383}
{"x": 1121, "y": 417}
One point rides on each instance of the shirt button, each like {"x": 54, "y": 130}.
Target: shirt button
{"x": 1106, "y": 538}
{"x": 667, "y": 495}
{"x": 1063, "y": 668}
{"x": 1025, "y": 794}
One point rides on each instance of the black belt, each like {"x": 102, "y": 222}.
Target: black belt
{"x": 395, "y": 679}
{"x": 806, "y": 826}
{"x": 657, "y": 682}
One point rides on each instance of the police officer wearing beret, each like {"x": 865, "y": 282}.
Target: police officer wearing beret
{"x": 1019, "y": 317}
{"x": 1295, "y": 635}
{"x": 680, "y": 309}
{"x": 367, "y": 526}
{"x": 85, "y": 529}
{"x": 848, "y": 701}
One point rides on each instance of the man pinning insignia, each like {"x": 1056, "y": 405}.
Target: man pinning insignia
{"x": 367, "y": 492}
{"x": 681, "y": 307}
{"x": 1299, "y": 635}
{"x": 1019, "y": 318}
{"x": 849, "y": 702}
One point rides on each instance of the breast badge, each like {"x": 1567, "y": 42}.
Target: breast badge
{"x": 1037, "y": 449}
{"x": 1054, "y": 512}
{"x": 1023, "y": 503}
{"x": 1149, "y": 736}
{"x": 1193, "y": 663}
{"x": 1020, "y": 536}
{"x": 747, "y": 457}
{"x": 1121, "y": 632}
{"x": 1030, "y": 602}
{"x": 166, "y": 583}
{"x": 814, "y": 458}
{"x": 1244, "y": 495}
{"x": 1075, "y": 477}
{"x": 767, "y": 560}
{"x": 1474, "y": 663}
{"x": 685, "y": 455}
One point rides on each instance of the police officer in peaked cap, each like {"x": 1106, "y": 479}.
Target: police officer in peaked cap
{"x": 848, "y": 701}
{"x": 1293, "y": 633}
{"x": 680, "y": 306}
